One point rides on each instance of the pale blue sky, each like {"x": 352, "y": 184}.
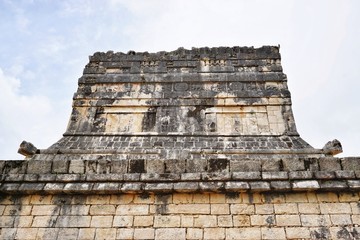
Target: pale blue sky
{"x": 44, "y": 46}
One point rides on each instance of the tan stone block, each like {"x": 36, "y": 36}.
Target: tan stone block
{"x": 233, "y": 198}
{"x": 18, "y": 210}
{"x": 44, "y": 221}
{"x": 122, "y": 199}
{"x": 348, "y": 197}
{"x": 355, "y": 207}
{"x": 45, "y": 210}
{"x": 337, "y": 208}
{"x": 144, "y": 198}
{"x": 163, "y": 198}
{"x": 75, "y": 210}
{"x": 296, "y": 197}
{"x": 340, "y": 219}
{"x": 264, "y": 208}
{"x": 194, "y": 233}
{"x": 214, "y": 233}
{"x": 140, "y": 209}
{"x": 86, "y": 233}
{"x": 220, "y": 209}
{"x": 105, "y": 233}
{"x": 41, "y": 199}
{"x": 243, "y": 233}
{"x": 144, "y": 233}
{"x": 201, "y": 198}
{"x": 98, "y": 199}
{"x": 327, "y": 197}
{"x": 262, "y": 220}
{"x": 170, "y": 233}
{"x": 355, "y": 219}
{"x": 2, "y": 208}
{"x": 26, "y": 233}
{"x": 217, "y": 198}
{"x": 273, "y": 198}
{"x": 73, "y": 221}
{"x": 241, "y": 220}
{"x": 187, "y": 221}
{"x": 343, "y": 233}
{"x": 225, "y": 221}
{"x": 167, "y": 221}
{"x": 102, "y": 210}
{"x": 7, "y": 221}
{"x": 297, "y": 233}
{"x": 182, "y": 198}
{"x": 125, "y": 233}
{"x": 68, "y": 233}
{"x": 189, "y": 208}
{"x": 312, "y": 197}
{"x": 252, "y": 198}
{"x": 123, "y": 221}
{"x": 101, "y": 221}
{"x": 315, "y": 220}
{"x": 47, "y": 233}
{"x": 205, "y": 221}
{"x": 8, "y": 233}
{"x": 285, "y": 208}
{"x": 242, "y": 209}
{"x": 288, "y": 220}
{"x": 143, "y": 221}
{"x": 24, "y": 221}
{"x": 272, "y": 233}
{"x": 311, "y": 208}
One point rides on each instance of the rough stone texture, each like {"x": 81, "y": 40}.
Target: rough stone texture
{"x": 189, "y": 144}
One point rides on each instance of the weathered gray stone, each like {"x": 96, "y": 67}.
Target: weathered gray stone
{"x": 280, "y": 185}
{"x": 246, "y": 175}
{"x": 61, "y": 166}
{"x": 305, "y": 185}
{"x": 333, "y": 185}
{"x": 293, "y": 164}
{"x": 39, "y": 167}
{"x": 350, "y": 163}
{"x": 274, "y": 175}
{"x": 237, "y": 186}
{"x": 345, "y": 174}
{"x": 332, "y": 147}
{"x": 186, "y": 186}
{"x": 259, "y": 186}
{"x": 324, "y": 175}
{"x": 159, "y": 187}
{"x": 301, "y": 175}
{"x": 329, "y": 164}
{"x": 77, "y": 166}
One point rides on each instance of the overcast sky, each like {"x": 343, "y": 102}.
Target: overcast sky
{"x": 44, "y": 46}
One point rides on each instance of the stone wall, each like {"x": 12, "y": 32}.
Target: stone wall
{"x": 300, "y": 215}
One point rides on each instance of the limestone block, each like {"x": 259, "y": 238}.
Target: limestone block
{"x": 140, "y": 209}
{"x": 166, "y": 221}
{"x": 315, "y": 220}
{"x": 68, "y": 233}
{"x": 144, "y": 233}
{"x": 340, "y": 219}
{"x": 125, "y": 233}
{"x": 123, "y": 221}
{"x": 101, "y": 221}
{"x": 297, "y": 232}
{"x": 105, "y": 233}
{"x": 335, "y": 208}
{"x": 44, "y": 221}
{"x": 102, "y": 210}
{"x": 309, "y": 208}
{"x": 286, "y": 208}
{"x": 288, "y": 220}
{"x": 241, "y": 220}
{"x": 262, "y": 220}
{"x": 214, "y": 233}
{"x": 86, "y": 233}
{"x": 225, "y": 221}
{"x": 273, "y": 233}
{"x": 170, "y": 233}
{"x": 205, "y": 221}
{"x": 219, "y": 209}
{"x": 264, "y": 208}
{"x": 73, "y": 221}
{"x": 242, "y": 209}
{"x": 243, "y": 233}
{"x": 26, "y": 233}
{"x": 143, "y": 221}
{"x": 194, "y": 233}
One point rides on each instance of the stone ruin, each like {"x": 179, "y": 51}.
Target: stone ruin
{"x": 188, "y": 144}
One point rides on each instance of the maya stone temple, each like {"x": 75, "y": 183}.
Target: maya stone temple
{"x": 188, "y": 144}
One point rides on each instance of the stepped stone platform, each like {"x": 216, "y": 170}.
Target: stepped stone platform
{"x": 188, "y": 144}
